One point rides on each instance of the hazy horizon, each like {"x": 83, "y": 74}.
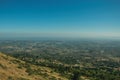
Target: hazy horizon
{"x": 60, "y": 19}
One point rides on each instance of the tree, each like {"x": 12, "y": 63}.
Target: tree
{"x": 76, "y": 75}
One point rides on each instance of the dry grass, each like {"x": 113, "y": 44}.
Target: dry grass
{"x": 14, "y": 69}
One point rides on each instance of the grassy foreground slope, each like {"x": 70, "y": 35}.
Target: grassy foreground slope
{"x": 14, "y": 69}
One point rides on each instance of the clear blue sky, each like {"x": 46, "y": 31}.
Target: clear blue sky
{"x": 60, "y": 18}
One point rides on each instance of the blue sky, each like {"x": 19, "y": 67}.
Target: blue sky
{"x": 60, "y": 18}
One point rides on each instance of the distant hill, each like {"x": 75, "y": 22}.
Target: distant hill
{"x": 14, "y": 69}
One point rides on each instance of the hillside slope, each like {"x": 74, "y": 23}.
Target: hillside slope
{"x": 14, "y": 69}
